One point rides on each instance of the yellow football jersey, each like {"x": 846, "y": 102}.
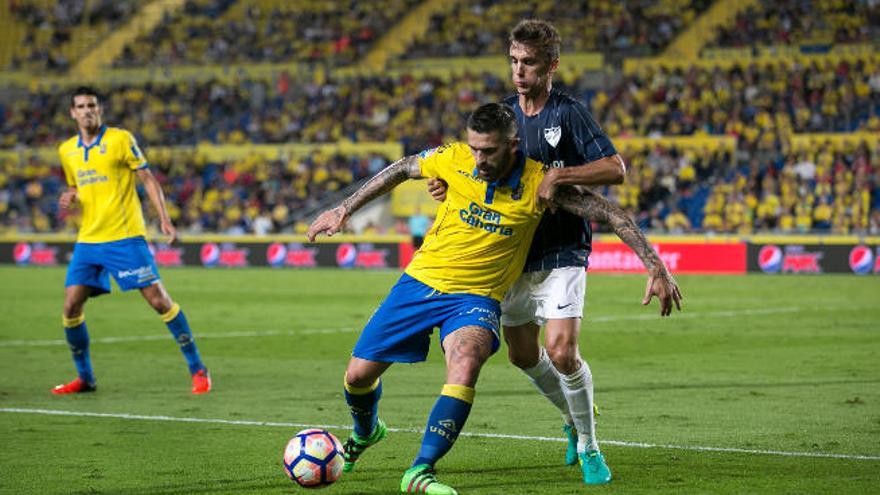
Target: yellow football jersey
{"x": 104, "y": 176}
{"x": 481, "y": 236}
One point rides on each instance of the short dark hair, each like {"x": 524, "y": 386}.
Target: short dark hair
{"x": 540, "y": 35}
{"x": 84, "y": 91}
{"x": 493, "y": 117}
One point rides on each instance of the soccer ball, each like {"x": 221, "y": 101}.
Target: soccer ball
{"x": 313, "y": 458}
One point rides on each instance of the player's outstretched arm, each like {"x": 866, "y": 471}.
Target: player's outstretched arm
{"x": 609, "y": 170}
{"x": 157, "y": 197}
{"x": 333, "y": 220}
{"x": 593, "y": 207}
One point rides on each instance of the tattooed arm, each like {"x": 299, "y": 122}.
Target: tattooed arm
{"x": 593, "y": 207}
{"x": 333, "y": 220}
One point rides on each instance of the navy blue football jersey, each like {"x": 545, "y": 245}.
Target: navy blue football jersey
{"x": 563, "y": 134}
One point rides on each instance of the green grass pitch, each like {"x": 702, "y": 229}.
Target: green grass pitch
{"x": 775, "y": 375}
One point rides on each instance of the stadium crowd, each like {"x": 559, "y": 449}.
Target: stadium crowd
{"x": 249, "y": 195}
{"x": 828, "y": 96}
{"x": 50, "y": 25}
{"x": 802, "y": 22}
{"x": 763, "y": 183}
{"x": 228, "y": 32}
{"x": 825, "y": 187}
{"x": 757, "y": 104}
{"x": 634, "y": 28}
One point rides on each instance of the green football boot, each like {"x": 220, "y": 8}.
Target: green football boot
{"x": 422, "y": 479}
{"x": 355, "y": 445}
{"x": 594, "y": 469}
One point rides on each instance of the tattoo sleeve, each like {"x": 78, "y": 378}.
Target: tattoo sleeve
{"x": 383, "y": 182}
{"x": 591, "y": 206}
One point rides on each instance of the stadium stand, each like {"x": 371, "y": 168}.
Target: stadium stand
{"x": 799, "y": 22}
{"x": 725, "y": 144}
{"x": 252, "y": 194}
{"x": 828, "y": 96}
{"x": 755, "y": 102}
{"x": 58, "y": 32}
{"x": 631, "y": 28}
{"x": 229, "y": 32}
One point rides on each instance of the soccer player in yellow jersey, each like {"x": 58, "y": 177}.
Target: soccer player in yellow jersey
{"x": 472, "y": 254}
{"x": 101, "y": 164}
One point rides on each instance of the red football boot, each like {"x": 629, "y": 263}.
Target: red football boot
{"x": 201, "y": 382}
{"x": 75, "y": 387}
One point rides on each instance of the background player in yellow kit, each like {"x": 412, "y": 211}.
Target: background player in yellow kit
{"x": 101, "y": 164}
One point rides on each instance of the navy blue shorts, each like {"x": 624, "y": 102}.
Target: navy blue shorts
{"x": 400, "y": 330}
{"x": 128, "y": 260}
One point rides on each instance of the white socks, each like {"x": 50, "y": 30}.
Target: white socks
{"x": 547, "y": 381}
{"x": 578, "y": 389}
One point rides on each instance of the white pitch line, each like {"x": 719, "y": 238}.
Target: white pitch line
{"x": 640, "y": 445}
{"x": 322, "y": 331}
{"x": 165, "y": 336}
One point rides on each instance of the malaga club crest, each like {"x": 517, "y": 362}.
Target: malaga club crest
{"x": 552, "y": 135}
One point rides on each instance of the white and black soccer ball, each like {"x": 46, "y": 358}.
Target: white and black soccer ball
{"x": 313, "y": 458}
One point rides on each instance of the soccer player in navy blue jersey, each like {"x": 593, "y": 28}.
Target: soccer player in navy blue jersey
{"x": 559, "y": 131}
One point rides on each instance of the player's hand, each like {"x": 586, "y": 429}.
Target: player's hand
{"x": 67, "y": 200}
{"x": 547, "y": 190}
{"x": 437, "y": 189}
{"x": 662, "y": 285}
{"x": 168, "y": 229}
{"x": 329, "y": 222}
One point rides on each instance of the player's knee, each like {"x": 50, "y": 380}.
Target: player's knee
{"x": 522, "y": 352}
{"x": 464, "y": 366}
{"x": 161, "y": 303}
{"x": 358, "y": 378}
{"x": 564, "y": 356}
{"x": 522, "y": 358}
{"x": 464, "y": 371}
{"x": 73, "y": 308}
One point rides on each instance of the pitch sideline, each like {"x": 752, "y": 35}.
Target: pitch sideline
{"x": 322, "y": 331}
{"x": 642, "y": 445}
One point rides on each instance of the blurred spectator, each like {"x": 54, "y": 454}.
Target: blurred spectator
{"x": 639, "y": 27}
{"x": 51, "y": 25}
{"x": 803, "y": 22}
{"x": 760, "y": 106}
{"x": 228, "y": 32}
{"x": 250, "y": 195}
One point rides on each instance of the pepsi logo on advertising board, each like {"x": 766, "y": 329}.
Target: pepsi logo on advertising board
{"x": 276, "y": 254}
{"x": 770, "y": 259}
{"x": 861, "y": 260}
{"x": 210, "y": 254}
{"x": 346, "y": 255}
